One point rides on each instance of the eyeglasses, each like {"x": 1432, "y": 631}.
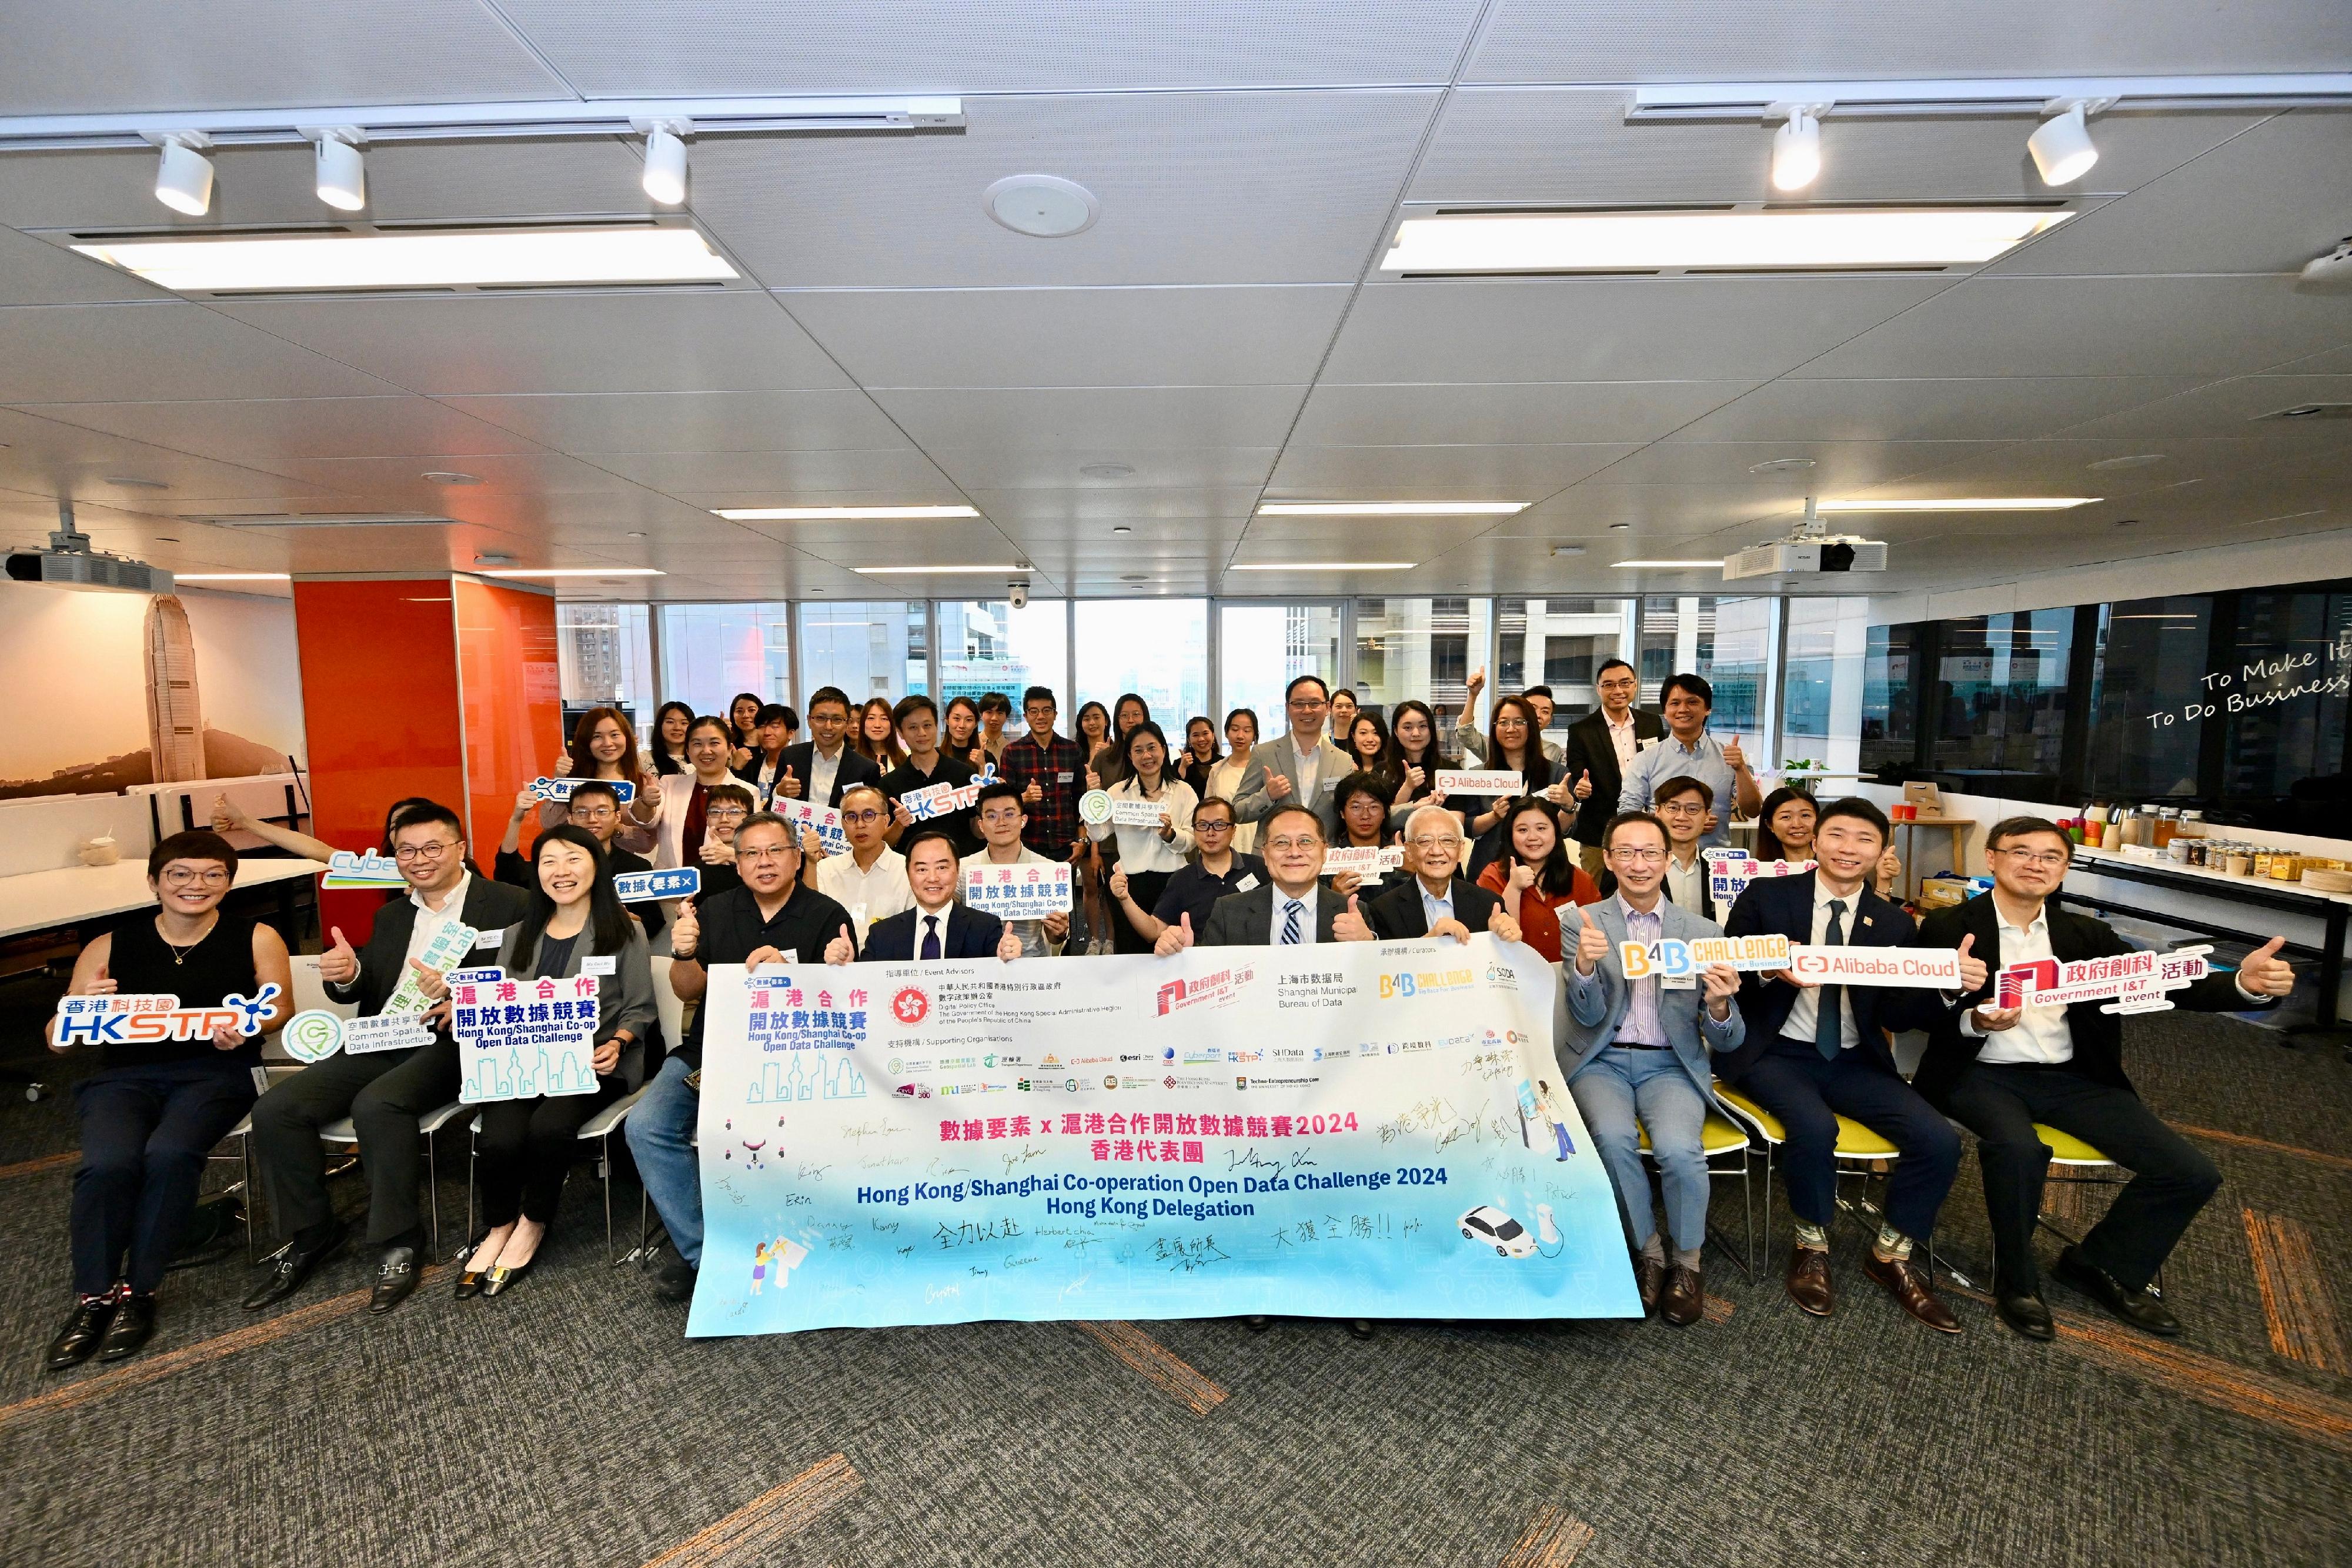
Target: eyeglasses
{"x": 1294, "y": 843}
{"x": 181, "y": 877}
{"x": 1683, "y": 808}
{"x": 1211, "y": 825}
{"x": 721, "y": 813}
{"x": 861, "y": 817}
{"x": 593, "y": 813}
{"x": 1305, "y": 703}
{"x": 999, "y": 819}
{"x": 407, "y": 853}
{"x": 1429, "y": 842}
{"x": 1639, "y": 857}
{"x": 2047, "y": 860}
{"x": 773, "y": 852}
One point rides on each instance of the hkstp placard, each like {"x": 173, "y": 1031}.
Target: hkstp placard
{"x": 940, "y": 799}
{"x": 1023, "y": 891}
{"x": 520, "y": 1038}
{"x": 1353, "y": 1130}
{"x": 153, "y": 1018}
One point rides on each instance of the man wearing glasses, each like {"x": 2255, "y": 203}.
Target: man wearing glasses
{"x": 1602, "y": 745}
{"x": 595, "y": 806}
{"x": 1302, "y": 768}
{"x": 1217, "y": 872}
{"x": 1436, "y": 900}
{"x": 1050, "y": 771}
{"x": 870, "y": 880}
{"x": 384, "y": 1092}
{"x": 771, "y": 918}
{"x": 1002, "y": 822}
{"x": 1997, "y": 1071}
{"x": 1684, "y": 805}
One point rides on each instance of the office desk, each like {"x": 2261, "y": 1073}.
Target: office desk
{"x": 74, "y": 896}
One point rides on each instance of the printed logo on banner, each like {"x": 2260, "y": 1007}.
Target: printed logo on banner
{"x": 910, "y": 1005}
{"x": 1674, "y": 956}
{"x": 1019, "y": 892}
{"x": 641, "y": 886}
{"x": 1370, "y": 862}
{"x": 153, "y": 1018}
{"x": 940, "y": 799}
{"x": 368, "y": 868}
{"x": 560, "y": 789}
{"x": 519, "y": 1038}
{"x": 1936, "y": 968}
{"x": 447, "y": 949}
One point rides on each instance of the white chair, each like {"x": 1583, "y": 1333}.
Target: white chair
{"x": 432, "y": 1122}
{"x": 309, "y": 993}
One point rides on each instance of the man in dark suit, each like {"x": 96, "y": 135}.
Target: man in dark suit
{"x": 822, "y": 767}
{"x": 937, "y": 927}
{"x": 1291, "y": 908}
{"x": 1815, "y": 1052}
{"x": 1997, "y": 1071}
{"x": 384, "y": 1092}
{"x": 1434, "y": 901}
{"x": 1600, "y": 744}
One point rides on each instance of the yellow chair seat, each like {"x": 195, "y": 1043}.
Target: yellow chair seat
{"x": 1855, "y": 1140}
{"x": 1719, "y": 1135}
{"x": 2066, "y": 1149}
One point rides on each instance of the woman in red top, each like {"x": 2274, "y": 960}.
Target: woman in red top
{"x": 1537, "y": 876}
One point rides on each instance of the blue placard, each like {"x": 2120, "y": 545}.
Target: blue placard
{"x": 643, "y": 886}
{"x": 560, "y": 789}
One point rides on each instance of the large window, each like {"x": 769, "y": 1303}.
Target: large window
{"x": 1422, "y": 648}
{"x": 1821, "y": 686}
{"x": 1560, "y": 643}
{"x": 2283, "y": 697}
{"x": 2002, "y": 703}
{"x": 1890, "y": 703}
{"x": 1156, "y": 648}
{"x": 1262, "y": 648}
{"x": 1728, "y": 641}
{"x": 870, "y": 648}
{"x": 604, "y": 657}
{"x": 986, "y": 645}
{"x": 710, "y": 652}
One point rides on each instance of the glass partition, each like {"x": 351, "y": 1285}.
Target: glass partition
{"x": 1822, "y": 687}
{"x": 1262, "y": 648}
{"x": 2001, "y": 684}
{"x": 986, "y": 645}
{"x": 1156, "y": 648}
{"x": 1558, "y": 642}
{"x": 710, "y": 652}
{"x": 869, "y": 648}
{"x": 1422, "y": 648}
{"x": 604, "y": 656}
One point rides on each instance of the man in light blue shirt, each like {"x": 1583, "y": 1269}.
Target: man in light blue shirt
{"x": 1689, "y": 751}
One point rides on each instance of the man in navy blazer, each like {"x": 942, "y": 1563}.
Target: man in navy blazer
{"x": 1816, "y": 1052}
{"x": 937, "y": 927}
{"x": 827, "y": 750}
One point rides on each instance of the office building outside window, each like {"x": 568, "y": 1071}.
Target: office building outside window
{"x": 1422, "y": 648}
{"x": 1262, "y": 648}
{"x": 604, "y": 657}
{"x": 710, "y": 652}
{"x": 986, "y": 645}
{"x": 868, "y": 648}
{"x": 1156, "y": 648}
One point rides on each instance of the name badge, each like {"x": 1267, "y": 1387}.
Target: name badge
{"x": 600, "y": 964}
{"x": 1246, "y": 882}
{"x": 489, "y": 940}
{"x": 1065, "y": 778}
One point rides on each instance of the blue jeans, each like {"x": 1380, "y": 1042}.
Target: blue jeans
{"x": 661, "y": 1136}
{"x": 1611, "y": 1090}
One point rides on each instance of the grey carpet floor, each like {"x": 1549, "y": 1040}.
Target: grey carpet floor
{"x": 569, "y": 1423}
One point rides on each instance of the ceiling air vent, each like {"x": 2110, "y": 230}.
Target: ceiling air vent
{"x": 2307, "y": 411}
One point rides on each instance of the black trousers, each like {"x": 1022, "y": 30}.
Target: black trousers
{"x": 145, "y": 1132}
{"x": 1808, "y": 1093}
{"x": 524, "y": 1151}
{"x": 2171, "y": 1179}
{"x": 385, "y": 1094}
{"x": 1145, "y": 887}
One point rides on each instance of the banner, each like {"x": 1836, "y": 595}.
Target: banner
{"x": 824, "y": 820}
{"x": 2137, "y": 981}
{"x": 1479, "y": 781}
{"x": 519, "y": 1038}
{"x": 450, "y": 944}
{"x": 1353, "y": 1130}
{"x": 1022, "y": 891}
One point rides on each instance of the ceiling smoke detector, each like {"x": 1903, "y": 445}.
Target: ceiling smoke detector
{"x": 1043, "y": 206}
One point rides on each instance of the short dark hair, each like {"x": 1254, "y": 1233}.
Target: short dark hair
{"x": 1695, "y": 684}
{"x": 834, "y": 695}
{"x": 1206, "y": 801}
{"x": 1038, "y": 695}
{"x": 1609, "y": 664}
{"x": 1354, "y": 784}
{"x": 929, "y": 834}
{"x": 1299, "y": 681}
{"x": 776, "y": 712}
{"x": 916, "y": 703}
{"x": 2010, "y": 828}
{"x": 196, "y": 844}
{"x": 767, "y": 820}
{"x": 735, "y": 793}
{"x": 1347, "y": 691}
{"x": 427, "y": 811}
{"x": 1854, "y": 806}
{"x": 1002, "y": 789}
{"x": 595, "y": 787}
{"x": 995, "y": 702}
{"x": 1682, "y": 784}
{"x": 1294, "y": 809}
{"x": 1632, "y": 820}
{"x": 710, "y": 721}
{"x": 1543, "y": 691}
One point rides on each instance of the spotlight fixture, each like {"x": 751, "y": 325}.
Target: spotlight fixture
{"x": 1797, "y": 145}
{"x": 2062, "y": 148}
{"x": 343, "y": 172}
{"x": 183, "y": 180}
{"x": 665, "y": 176}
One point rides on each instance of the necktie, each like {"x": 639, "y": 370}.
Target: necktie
{"x": 1827, "y": 1028}
{"x": 931, "y": 937}
{"x": 1290, "y": 922}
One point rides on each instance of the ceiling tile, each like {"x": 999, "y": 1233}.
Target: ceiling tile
{"x": 998, "y": 468}
{"x": 1980, "y": 410}
{"x": 1124, "y": 504}
{"x": 2234, "y": 408}
{"x": 849, "y": 477}
{"x": 1579, "y": 412}
{"x": 1463, "y": 472}
{"x": 162, "y": 349}
{"x": 262, "y": 432}
{"x": 691, "y": 422}
{"x": 1068, "y": 419}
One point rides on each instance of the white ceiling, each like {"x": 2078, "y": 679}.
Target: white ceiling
{"x": 1219, "y": 332}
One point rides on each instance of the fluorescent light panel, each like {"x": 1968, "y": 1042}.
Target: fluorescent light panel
{"x": 1665, "y": 565}
{"x": 1650, "y": 241}
{"x": 1966, "y": 504}
{"x": 928, "y": 570}
{"x": 571, "y": 571}
{"x": 1322, "y": 566}
{"x": 1390, "y": 509}
{"x": 843, "y": 514}
{"x": 441, "y": 258}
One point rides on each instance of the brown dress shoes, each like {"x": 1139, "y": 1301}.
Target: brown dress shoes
{"x": 1808, "y": 1280}
{"x": 1908, "y": 1283}
{"x": 1683, "y": 1300}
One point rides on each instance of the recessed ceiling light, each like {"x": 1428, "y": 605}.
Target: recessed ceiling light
{"x": 572, "y": 570}
{"x": 430, "y": 258}
{"x": 842, "y": 514}
{"x": 1390, "y": 509}
{"x": 449, "y": 478}
{"x": 1966, "y": 504}
{"x": 1824, "y": 237}
{"x": 1105, "y": 470}
{"x": 636, "y": 533}
{"x": 1665, "y": 565}
{"x": 2138, "y": 460}
{"x": 927, "y": 570}
{"x": 1135, "y": 577}
{"x": 1567, "y": 549}
{"x": 231, "y": 577}
{"x": 1615, "y": 527}
{"x": 1043, "y": 206}
{"x": 126, "y": 482}
{"x": 493, "y": 558}
{"x": 1122, "y": 528}
{"x": 1322, "y": 566}
{"x": 1782, "y": 465}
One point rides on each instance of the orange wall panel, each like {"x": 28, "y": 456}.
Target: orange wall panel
{"x": 513, "y": 698}
{"x": 381, "y": 709}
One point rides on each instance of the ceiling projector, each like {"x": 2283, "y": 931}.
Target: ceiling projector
{"x": 2329, "y": 274}
{"x": 70, "y": 562}
{"x": 1809, "y": 548}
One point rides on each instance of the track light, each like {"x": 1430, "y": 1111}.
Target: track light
{"x": 343, "y": 172}
{"x": 665, "y": 176}
{"x": 2063, "y": 150}
{"x": 1797, "y": 147}
{"x": 183, "y": 181}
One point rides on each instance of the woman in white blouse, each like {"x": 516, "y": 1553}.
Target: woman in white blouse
{"x": 1231, "y": 777}
{"x": 1150, "y": 853}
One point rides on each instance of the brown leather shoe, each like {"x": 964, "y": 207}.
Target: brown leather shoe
{"x": 1648, "y": 1276}
{"x": 1808, "y": 1280}
{"x": 1908, "y": 1283}
{"x": 1683, "y": 1298}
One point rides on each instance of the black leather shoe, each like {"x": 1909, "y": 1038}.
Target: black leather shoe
{"x": 2026, "y": 1313}
{"x": 394, "y": 1278}
{"x": 290, "y": 1267}
{"x": 133, "y": 1326}
{"x": 501, "y": 1280}
{"x": 469, "y": 1279}
{"x": 79, "y": 1340}
{"x": 2137, "y": 1308}
{"x": 1361, "y": 1328}
{"x": 675, "y": 1280}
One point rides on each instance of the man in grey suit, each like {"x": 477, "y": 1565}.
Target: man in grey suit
{"x": 1293, "y": 909}
{"x": 1636, "y": 1054}
{"x": 1302, "y": 768}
